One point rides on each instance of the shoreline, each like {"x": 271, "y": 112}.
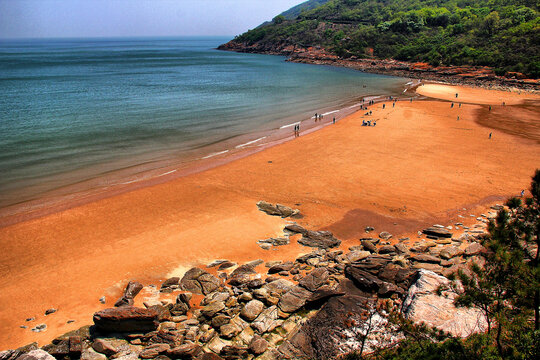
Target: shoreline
{"x": 115, "y": 182}
{"x": 415, "y": 167}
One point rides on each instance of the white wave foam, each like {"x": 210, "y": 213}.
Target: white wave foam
{"x": 289, "y": 125}
{"x": 330, "y": 112}
{"x": 250, "y": 142}
{"x": 215, "y": 154}
{"x": 167, "y": 173}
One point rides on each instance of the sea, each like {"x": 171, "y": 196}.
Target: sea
{"x": 77, "y": 115}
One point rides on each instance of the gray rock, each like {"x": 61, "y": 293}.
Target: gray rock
{"x": 475, "y": 249}
{"x": 450, "y": 252}
{"x": 369, "y": 246}
{"x": 213, "y": 308}
{"x": 295, "y": 229}
{"x": 50, "y": 311}
{"x": 437, "y": 232}
{"x": 286, "y": 266}
{"x": 126, "y": 319}
{"x": 424, "y": 258}
{"x": 266, "y": 321}
{"x": 131, "y": 290}
{"x": 152, "y": 351}
{"x": 385, "y": 235}
{"x": 357, "y": 255}
{"x": 90, "y": 354}
{"x": 314, "y": 279}
{"x": 387, "y": 249}
{"x": 170, "y": 282}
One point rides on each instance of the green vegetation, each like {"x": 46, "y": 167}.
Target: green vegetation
{"x": 506, "y": 290}
{"x": 503, "y": 34}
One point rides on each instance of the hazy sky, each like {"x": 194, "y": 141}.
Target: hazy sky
{"x": 99, "y": 18}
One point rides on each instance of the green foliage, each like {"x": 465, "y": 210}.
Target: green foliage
{"x": 499, "y": 33}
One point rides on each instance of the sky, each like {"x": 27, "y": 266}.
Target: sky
{"x": 116, "y": 18}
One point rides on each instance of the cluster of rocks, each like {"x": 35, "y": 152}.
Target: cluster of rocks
{"x": 312, "y": 307}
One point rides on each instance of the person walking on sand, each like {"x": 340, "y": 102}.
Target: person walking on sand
{"x": 456, "y": 95}
{"x": 458, "y": 118}
{"x": 334, "y": 120}
{"x": 489, "y": 107}
{"x": 394, "y": 104}
{"x": 459, "y": 104}
{"x": 452, "y": 105}
{"x": 522, "y": 193}
{"x": 490, "y": 135}
{"x": 383, "y": 106}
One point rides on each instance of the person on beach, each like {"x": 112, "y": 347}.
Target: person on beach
{"x": 452, "y": 105}
{"x": 383, "y": 106}
{"x": 490, "y": 135}
{"x": 489, "y": 107}
{"x": 522, "y": 193}
{"x": 456, "y": 95}
{"x": 459, "y": 104}
{"x": 369, "y": 112}
{"x": 458, "y": 118}
{"x": 334, "y": 120}
{"x": 394, "y": 104}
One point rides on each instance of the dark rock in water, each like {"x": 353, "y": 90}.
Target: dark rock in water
{"x": 314, "y": 279}
{"x": 385, "y": 235}
{"x": 295, "y": 229}
{"x": 199, "y": 281}
{"x": 369, "y": 246}
{"x": 131, "y": 290}
{"x": 437, "y": 232}
{"x": 286, "y": 266}
{"x": 126, "y": 319}
{"x": 319, "y": 239}
{"x": 294, "y": 299}
{"x": 170, "y": 282}
{"x": 258, "y": 345}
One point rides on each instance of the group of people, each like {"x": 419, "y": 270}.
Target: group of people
{"x": 296, "y": 130}
{"x": 368, "y": 123}
{"x": 318, "y": 117}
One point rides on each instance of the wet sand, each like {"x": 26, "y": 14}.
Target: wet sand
{"x": 418, "y": 166}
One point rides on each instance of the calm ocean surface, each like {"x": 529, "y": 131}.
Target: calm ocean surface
{"x": 74, "y": 110}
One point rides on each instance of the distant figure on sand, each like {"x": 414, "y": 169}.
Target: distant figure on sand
{"x": 394, "y": 104}
{"x": 456, "y": 95}
{"x": 458, "y": 118}
{"x": 452, "y": 105}
{"x": 489, "y": 107}
{"x": 383, "y": 106}
{"x": 490, "y": 135}
{"x": 334, "y": 120}
{"x": 522, "y": 193}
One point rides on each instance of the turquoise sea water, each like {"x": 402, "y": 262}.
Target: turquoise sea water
{"x": 73, "y": 110}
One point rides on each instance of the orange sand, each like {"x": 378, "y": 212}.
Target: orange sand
{"x": 418, "y": 166}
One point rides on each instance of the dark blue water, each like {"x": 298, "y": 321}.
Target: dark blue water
{"x": 71, "y": 110}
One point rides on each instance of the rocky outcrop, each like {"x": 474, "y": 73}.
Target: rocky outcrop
{"x": 277, "y": 210}
{"x": 131, "y": 290}
{"x": 423, "y": 304}
{"x": 126, "y": 319}
{"x": 319, "y": 239}
{"x": 437, "y": 232}
{"x": 199, "y": 281}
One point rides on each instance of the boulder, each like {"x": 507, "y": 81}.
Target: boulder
{"x": 424, "y": 258}
{"x": 266, "y": 321}
{"x": 369, "y": 246}
{"x": 252, "y": 309}
{"x": 199, "y": 281}
{"x": 213, "y": 308}
{"x": 319, "y": 239}
{"x": 437, "y": 232}
{"x": 294, "y": 299}
{"x": 363, "y": 279}
{"x": 277, "y": 210}
{"x": 314, "y": 279}
{"x": 475, "y": 249}
{"x": 258, "y": 345}
{"x": 126, "y": 319}
{"x": 357, "y": 255}
{"x": 295, "y": 229}
{"x": 450, "y": 252}
{"x": 36, "y": 355}
{"x": 385, "y": 235}
{"x": 387, "y": 249}
{"x": 424, "y": 305}
{"x": 154, "y": 350}
{"x": 170, "y": 282}
{"x": 131, "y": 290}
{"x": 286, "y": 266}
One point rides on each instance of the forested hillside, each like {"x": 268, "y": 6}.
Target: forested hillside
{"x": 503, "y": 34}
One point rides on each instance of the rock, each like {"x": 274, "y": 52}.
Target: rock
{"x": 90, "y": 354}
{"x": 314, "y": 279}
{"x": 319, "y": 239}
{"x": 295, "y": 229}
{"x": 213, "y": 308}
{"x": 363, "y": 279}
{"x": 369, "y": 246}
{"x": 216, "y": 263}
{"x": 126, "y": 319}
{"x": 368, "y": 229}
{"x": 226, "y": 265}
{"x": 131, "y": 290}
{"x": 357, "y": 255}
{"x": 450, "y": 252}
{"x": 36, "y": 355}
{"x": 258, "y": 345}
{"x": 280, "y": 241}
{"x": 266, "y": 320}
{"x": 185, "y": 351}
{"x": 437, "y": 232}
{"x": 109, "y": 346}
{"x": 401, "y": 248}
{"x": 251, "y": 310}
{"x": 424, "y": 258}
{"x": 385, "y": 235}
{"x": 39, "y": 328}
{"x": 102, "y": 299}
{"x": 286, "y": 266}
{"x": 424, "y": 305}
{"x": 154, "y": 350}
{"x": 475, "y": 249}
{"x": 277, "y": 210}
{"x": 199, "y": 281}
{"x": 387, "y": 249}
{"x": 294, "y": 299}
{"x": 233, "y": 352}
{"x": 50, "y": 311}
{"x": 220, "y": 320}
{"x": 170, "y": 282}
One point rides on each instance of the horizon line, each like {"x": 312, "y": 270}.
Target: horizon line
{"x": 114, "y": 37}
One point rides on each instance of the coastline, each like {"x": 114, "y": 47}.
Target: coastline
{"x": 403, "y": 171}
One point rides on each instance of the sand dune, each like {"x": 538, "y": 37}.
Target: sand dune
{"x": 418, "y": 166}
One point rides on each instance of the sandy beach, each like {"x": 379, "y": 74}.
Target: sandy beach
{"x": 418, "y": 166}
